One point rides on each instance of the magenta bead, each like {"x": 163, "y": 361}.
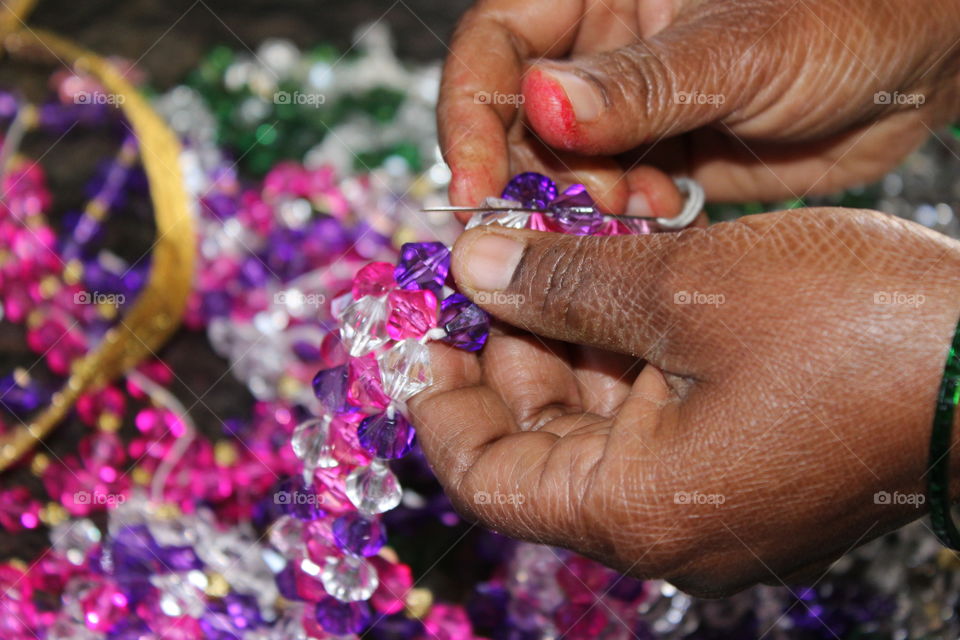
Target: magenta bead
{"x": 375, "y": 279}
{"x": 411, "y": 313}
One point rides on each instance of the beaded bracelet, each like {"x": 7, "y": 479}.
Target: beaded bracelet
{"x": 938, "y": 484}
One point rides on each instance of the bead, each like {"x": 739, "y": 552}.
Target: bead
{"x": 375, "y": 279}
{"x": 386, "y": 435}
{"x": 530, "y": 190}
{"x": 423, "y": 265}
{"x": 341, "y": 618}
{"x": 411, "y": 313}
{"x": 373, "y": 489}
{"x": 358, "y": 534}
{"x": 405, "y": 368}
{"x": 362, "y": 328}
{"x": 466, "y": 325}
{"x": 349, "y": 578}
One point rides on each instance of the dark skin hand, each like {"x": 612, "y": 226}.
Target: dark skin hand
{"x": 716, "y": 407}
{"x": 720, "y": 406}
{"x": 755, "y": 99}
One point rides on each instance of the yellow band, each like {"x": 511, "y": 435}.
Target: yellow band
{"x": 159, "y": 308}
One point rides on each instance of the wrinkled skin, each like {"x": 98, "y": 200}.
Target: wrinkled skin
{"x": 798, "y": 81}
{"x": 799, "y": 378}
{"x": 796, "y": 396}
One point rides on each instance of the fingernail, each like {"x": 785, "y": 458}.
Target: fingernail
{"x": 639, "y": 205}
{"x": 584, "y": 97}
{"x": 489, "y": 262}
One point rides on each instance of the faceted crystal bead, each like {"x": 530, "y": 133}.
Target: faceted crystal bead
{"x": 405, "y": 368}
{"x": 298, "y": 499}
{"x": 375, "y": 279}
{"x": 386, "y": 435}
{"x": 362, "y": 327}
{"x": 373, "y": 489}
{"x": 179, "y": 596}
{"x": 364, "y": 388}
{"x": 423, "y": 265}
{"x": 505, "y": 218}
{"x": 286, "y": 536}
{"x": 466, "y": 325}
{"x": 638, "y": 226}
{"x": 358, "y": 534}
{"x": 412, "y": 313}
{"x": 569, "y": 215}
{"x": 330, "y": 387}
{"x": 530, "y": 190}
{"x": 73, "y": 538}
{"x": 396, "y": 580}
{"x": 311, "y": 443}
{"x": 342, "y": 618}
{"x": 349, "y": 578}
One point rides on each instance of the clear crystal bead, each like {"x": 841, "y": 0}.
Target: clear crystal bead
{"x": 405, "y": 369}
{"x": 286, "y": 536}
{"x": 373, "y": 489}
{"x": 363, "y": 325}
{"x": 178, "y": 596}
{"x": 74, "y": 537}
{"x": 349, "y": 578}
{"x": 311, "y": 443}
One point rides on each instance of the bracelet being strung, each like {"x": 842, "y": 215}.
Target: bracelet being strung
{"x": 380, "y": 361}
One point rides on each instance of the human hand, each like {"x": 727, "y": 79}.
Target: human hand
{"x": 743, "y": 393}
{"x": 755, "y": 99}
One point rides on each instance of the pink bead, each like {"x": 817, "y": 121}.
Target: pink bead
{"x": 18, "y": 509}
{"x": 332, "y": 351}
{"x": 375, "y": 279}
{"x": 411, "y": 313}
{"x": 448, "y": 622}
{"x": 103, "y": 606}
{"x": 364, "y": 387}
{"x": 396, "y": 580}
{"x": 538, "y": 222}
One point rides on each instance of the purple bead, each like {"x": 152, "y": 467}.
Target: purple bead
{"x": 21, "y": 401}
{"x": 340, "y": 618}
{"x": 358, "y": 534}
{"x": 298, "y": 500}
{"x": 466, "y": 324}
{"x": 423, "y": 265}
{"x": 578, "y": 223}
{"x": 330, "y": 387}
{"x": 530, "y": 190}
{"x": 243, "y": 610}
{"x": 287, "y": 583}
{"x": 8, "y": 105}
{"x": 179, "y": 558}
{"x": 219, "y": 205}
{"x": 386, "y": 437}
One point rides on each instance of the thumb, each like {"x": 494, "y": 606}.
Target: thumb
{"x": 613, "y": 292}
{"x": 685, "y": 77}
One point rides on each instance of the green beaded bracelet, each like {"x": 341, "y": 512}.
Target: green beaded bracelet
{"x": 938, "y": 483}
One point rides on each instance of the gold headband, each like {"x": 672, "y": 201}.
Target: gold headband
{"x": 159, "y": 308}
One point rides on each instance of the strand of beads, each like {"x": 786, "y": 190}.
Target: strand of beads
{"x": 385, "y": 320}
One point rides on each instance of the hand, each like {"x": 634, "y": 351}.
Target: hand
{"x": 755, "y": 99}
{"x": 743, "y": 391}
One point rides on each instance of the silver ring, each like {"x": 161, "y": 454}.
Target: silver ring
{"x": 691, "y": 207}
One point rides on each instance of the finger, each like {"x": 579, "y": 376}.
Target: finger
{"x": 614, "y": 101}
{"x": 480, "y": 76}
{"x": 516, "y": 482}
{"x": 614, "y": 293}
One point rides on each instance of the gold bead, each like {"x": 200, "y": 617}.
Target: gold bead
{"x": 224, "y": 453}
{"x": 73, "y": 272}
{"x": 141, "y": 476}
{"x": 217, "y": 585}
{"x": 109, "y": 421}
{"x": 53, "y": 514}
{"x": 418, "y": 602}
{"x": 39, "y": 464}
